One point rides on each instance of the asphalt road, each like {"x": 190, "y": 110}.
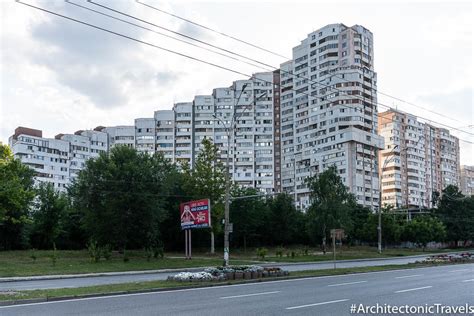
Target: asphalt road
{"x": 99, "y": 280}
{"x": 448, "y": 285}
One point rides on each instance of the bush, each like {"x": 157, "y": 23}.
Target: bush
{"x": 94, "y": 250}
{"x": 262, "y": 252}
{"x": 106, "y": 252}
{"x": 33, "y": 254}
{"x": 279, "y": 252}
{"x": 293, "y": 254}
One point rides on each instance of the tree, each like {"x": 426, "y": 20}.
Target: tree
{"x": 330, "y": 204}
{"x": 122, "y": 195}
{"x": 283, "y": 219}
{"x": 49, "y": 210}
{"x": 206, "y": 180}
{"x": 360, "y": 216}
{"x": 456, "y": 212}
{"x": 423, "y": 229}
{"x": 249, "y": 217}
{"x": 16, "y": 194}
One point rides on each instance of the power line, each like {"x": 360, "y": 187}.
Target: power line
{"x": 162, "y": 48}
{"x": 156, "y": 32}
{"x": 276, "y": 54}
{"x": 177, "y": 33}
{"x": 254, "y": 60}
{"x": 212, "y": 30}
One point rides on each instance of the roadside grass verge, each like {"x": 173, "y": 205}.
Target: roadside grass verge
{"x": 20, "y": 263}
{"x": 39, "y": 262}
{"x": 134, "y": 287}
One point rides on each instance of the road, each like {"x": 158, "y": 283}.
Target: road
{"x": 333, "y": 295}
{"x": 100, "y": 280}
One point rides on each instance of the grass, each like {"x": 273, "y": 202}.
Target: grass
{"x": 21, "y": 263}
{"x": 158, "y": 285}
{"x": 342, "y": 253}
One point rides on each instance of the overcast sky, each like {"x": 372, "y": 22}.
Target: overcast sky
{"x": 60, "y": 76}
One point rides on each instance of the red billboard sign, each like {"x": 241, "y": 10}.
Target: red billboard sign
{"x": 195, "y": 214}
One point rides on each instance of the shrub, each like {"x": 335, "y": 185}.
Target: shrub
{"x": 279, "y": 252}
{"x": 262, "y": 252}
{"x": 293, "y": 254}
{"x": 106, "y": 252}
{"x": 94, "y": 250}
{"x": 33, "y": 254}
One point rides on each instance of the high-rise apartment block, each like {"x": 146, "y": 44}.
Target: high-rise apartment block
{"x": 418, "y": 159}
{"x": 467, "y": 180}
{"x": 279, "y": 128}
{"x": 329, "y": 112}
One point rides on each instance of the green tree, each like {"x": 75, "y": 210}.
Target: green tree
{"x": 16, "y": 195}
{"x": 457, "y": 212}
{"x": 248, "y": 215}
{"x": 423, "y": 229}
{"x": 330, "y": 205}
{"x": 283, "y": 220}
{"x": 49, "y": 210}
{"x": 360, "y": 216}
{"x": 122, "y": 195}
{"x": 206, "y": 180}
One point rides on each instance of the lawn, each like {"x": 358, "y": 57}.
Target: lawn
{"x": 21, "y": 263}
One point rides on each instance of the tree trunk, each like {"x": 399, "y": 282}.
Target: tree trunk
{"x": 213, "y": 250}
{"x": 245, "y": 244}
{"x": 324, "y": 240}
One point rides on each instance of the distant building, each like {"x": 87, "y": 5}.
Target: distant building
{"x": 467, "y": 180}
{"x": 418, "y": 159}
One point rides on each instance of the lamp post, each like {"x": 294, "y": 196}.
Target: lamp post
{"x": 229, "y": 131}
{"x": 379, "y": 227}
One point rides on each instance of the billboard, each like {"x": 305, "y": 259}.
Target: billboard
{"x": 195, "y": 214}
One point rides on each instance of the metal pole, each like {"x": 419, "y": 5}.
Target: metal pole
{"x": 227, "y": 202}
{"x": 189, "y": 244}
{"x": 334, "y": 248}
{"x": 379, "y": 227}
{"x": 186, "y": 243}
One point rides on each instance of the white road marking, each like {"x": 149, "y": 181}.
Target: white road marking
{"x": 415, "y": 289}
{"x": 460, "y": 270}
{"x": 470, "y": 280}
{"x": 316, "y": 304}
{"x": 245, "y": 295}
{"x": 348, "y": 283}
{"x": 408, "y": 276}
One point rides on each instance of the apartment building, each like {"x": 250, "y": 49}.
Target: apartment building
{"x": 48, "y": 157}
{"x": 57, "y": 160}
{"x": 329, "y": 112}
{"x": 417, "y": 160}
{"x": 467, "y": 180}
{"x": 120, "y": 135}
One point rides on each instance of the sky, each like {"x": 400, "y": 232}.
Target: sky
{"x": 61, "y": 76}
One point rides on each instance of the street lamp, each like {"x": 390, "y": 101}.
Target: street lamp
{"x": 379, "y": 227}
{"x": 230, "y": 130}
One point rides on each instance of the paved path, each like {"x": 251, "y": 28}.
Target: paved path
{"x": 334, "y": 295}
{"x": 114, "y": 278}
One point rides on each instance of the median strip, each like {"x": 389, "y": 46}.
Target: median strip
{"x": 415, "y": 289}
{"x": 246, "y": 295}
{"x": 316, "y": 304}
{"x": 348, "y": 283}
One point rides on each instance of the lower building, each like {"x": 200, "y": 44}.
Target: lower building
{"x": 418, "y": 159}
{"x": 467, "y": 180}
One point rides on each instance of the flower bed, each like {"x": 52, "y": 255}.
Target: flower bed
{"x": 229, "y": 273}
{"x": 445, "y": 258}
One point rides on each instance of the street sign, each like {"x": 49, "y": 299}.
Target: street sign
{"x": 337, "y": 233}
{"x": 195, "y": 214}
